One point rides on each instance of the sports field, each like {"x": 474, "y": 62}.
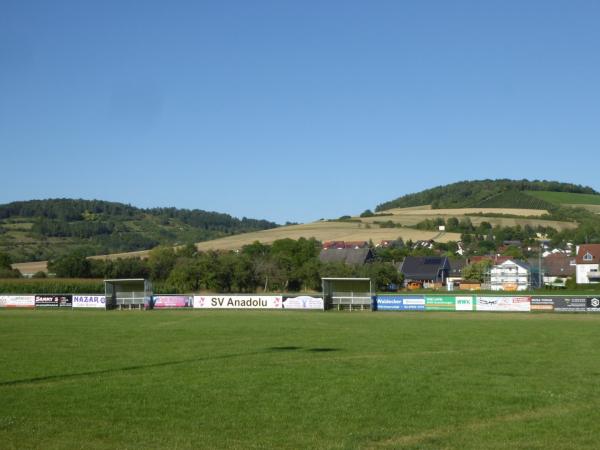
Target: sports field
{"x": 192, "y": 379}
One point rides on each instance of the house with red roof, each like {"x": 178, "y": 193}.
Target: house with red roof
{"x": 588, "y": 263}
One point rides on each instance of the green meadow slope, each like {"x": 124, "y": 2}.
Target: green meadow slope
{"x": 501, "y": 193}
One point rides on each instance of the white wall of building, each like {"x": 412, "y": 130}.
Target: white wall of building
{"x": 509, "y": 276}
{"x": 583, "y": 270}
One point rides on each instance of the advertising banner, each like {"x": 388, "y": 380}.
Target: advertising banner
{"x": 542, "y": 304}
{"x": 569, "y": 304}
{"x": 172, "y": 301}
{"x": 17, "y": 301}
{"x": 304, "y": 302}
{"x": 53, "y": 301}
{"x": 400, "y": 303}
{"x": 465, "y": 303}
{"x": 440, "y": 303}
{"x": 593, "y": 304}
{"x": 216, "y": 301}
{"x": 89, "y": 301}
{"x": 505, "y": 304}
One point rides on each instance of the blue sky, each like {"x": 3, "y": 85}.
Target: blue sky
{"x": 293, "y": 110}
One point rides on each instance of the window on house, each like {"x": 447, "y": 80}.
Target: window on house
{"x": 588, "y": 257}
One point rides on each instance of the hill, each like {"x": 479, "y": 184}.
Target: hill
{"x": 354, "y": 230}
{"x": 502, "y": 193}
{"x": 42, "y": 229}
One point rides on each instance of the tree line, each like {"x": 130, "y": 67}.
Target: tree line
{"x": 469, "y": 193}
{"x": 100, "y": 227}
{"x": 285, "y": 266}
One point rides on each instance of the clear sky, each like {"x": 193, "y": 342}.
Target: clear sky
{"x": 293, "y": 110}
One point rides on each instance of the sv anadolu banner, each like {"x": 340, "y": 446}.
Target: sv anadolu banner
{"x": 216, "y": 301}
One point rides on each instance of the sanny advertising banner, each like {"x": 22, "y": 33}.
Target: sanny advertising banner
{"x": 304, "y": 302}
{"x": 216, "y": 301}
{"x": 17, "y": 301}
{"x": 172, "y": 301}
{"x": 503, "y": 304}
{"x": 89, "y": 301}
{"x": 53, "y": 301}
{"x": 400, "y": 303}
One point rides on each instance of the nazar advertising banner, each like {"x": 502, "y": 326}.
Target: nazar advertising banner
{"x": 215, "y": 301}
{"x": 89, "y": 301}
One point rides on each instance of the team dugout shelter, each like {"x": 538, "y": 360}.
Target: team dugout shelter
{"x": 347, "y": 293}
{"x": 127, "y": 293}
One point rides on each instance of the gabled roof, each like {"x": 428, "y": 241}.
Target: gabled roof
{"x": 558, "y": 265}
{"x": 592, "y": 249}
{"x": 424, "y": 268}
{"x": 350, "y": 256}
{"x": 495, "y": 259}
{"x": 509, "y": 262}
{"x": 456, "y": 267}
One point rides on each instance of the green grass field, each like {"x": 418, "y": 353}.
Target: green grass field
{"x": 224, "y": 379}
{"x": 568, "y": 198}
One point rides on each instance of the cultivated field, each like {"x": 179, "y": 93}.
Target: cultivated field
{"x": 190, "y": 379}
{"x": 410, "y": 217}
{"x": 360, "y": 229}
{"x": 322, "y": 231}
{"x": 457, "y": 212}
{"x": 328, "y": 231}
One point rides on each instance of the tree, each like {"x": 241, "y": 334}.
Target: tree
{"x": 161, "y": 261}
{"x": 71, "y": 265}
{"x": 310, "y": 276}
{"x": 244, "y": 278}
{"x": 5, "y": 261}
{"x": 452, "y": 224}
{"x": 6, "y": 270}
{"x": 476, "y": 271}
{"x": 186, "y": 276}
{"x": 188, "y": 250}
{"x": 381, "y": 274}
{"x": 486, "y": 246}
{"x": 514, "y": 252}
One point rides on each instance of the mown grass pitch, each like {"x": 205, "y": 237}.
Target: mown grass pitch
{"x": 225, "y": 379}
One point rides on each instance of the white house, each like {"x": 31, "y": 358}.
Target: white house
{"x": 510, "y": 276}
{"x": 588, "y": 264}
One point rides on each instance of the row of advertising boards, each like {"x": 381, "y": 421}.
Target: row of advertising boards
{"x": 53, "y": 301}
{"x": 380, "y": 303}
{"x": 485, "y": 303}
{"x": 211, "y": 301}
